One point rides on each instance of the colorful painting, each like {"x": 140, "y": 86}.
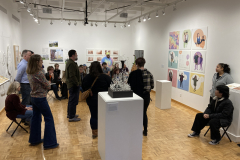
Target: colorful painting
{"x": 198, "y": 61}
{"x": 53, "y": 43}
{"x": 173, "y": 59}
{"x": 184, "y": 60}
{"x": 172, "y": 76}
{"x": 56, "y": 55}
{"x": 196, "y": 83}
{"x": 199, "y": 39}
{"x": 174, "y": 40}
{"x": 183, "y": 80}
{"x": 185, "y": 39}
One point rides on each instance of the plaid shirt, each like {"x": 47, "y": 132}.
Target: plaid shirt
{"x": 148, "y": 80}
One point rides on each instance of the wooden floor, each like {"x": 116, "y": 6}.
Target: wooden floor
{"x": 167, "y": 137}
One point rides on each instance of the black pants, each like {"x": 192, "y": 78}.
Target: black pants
{"x": 25, "y": 90}
{"x": 92, "y": 102}
{"x": 200, "y": 122}
{"x": 146, "y": 99}
{"x": 64, "y": 90}
{"x": 59, "y": 82}
{"x": 210, "y": 100}
{"x": 55, "y": 90}
{"x": 73, "y": 101}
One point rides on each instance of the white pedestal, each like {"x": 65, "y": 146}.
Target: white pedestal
{"x": 234, "y": 129}
{"x": 163, "y": 94}
{"x": 120, "y": 126}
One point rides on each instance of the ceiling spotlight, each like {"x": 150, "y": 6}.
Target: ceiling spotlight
{"x": 21, "y": 2}
{"x": 163, "y": 12}
{"x": 36, "y": 20}
{"x": 61, "y": 21}
{"x": 149, "y": 17}
{"x": 174, "y": 7}
{"x": 51, "y": 22}
{"x": 92, "y": 24}
{"x": 25, "y": 5}
{"x": 96, "y": 24}
{"x": 29, "y": 9}
{"x": 69, "y": 23}
{"x": 105, "y": 24}
{"x": 139, "y": 21}
{"x": 31, "y": 13}
{"x": 129, "y": 24}
{"x": 122, "y": 26}
{"x": 75, "y": 23}
{"x": 144, "y": 19}
{"x": 125, "y": 25}
{"x": 115, "y": 25}
{"x": 157, "y": 14}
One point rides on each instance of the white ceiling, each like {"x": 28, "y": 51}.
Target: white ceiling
{"x": 96, "y": 9}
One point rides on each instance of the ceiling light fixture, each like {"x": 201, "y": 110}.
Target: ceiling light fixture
{"x": 31, "y": 13}
{"x": 69, "y": 23}
{"x": 96, "y": 24}
{"x": 144, "y": 19}
{"x": 163, "y": 12}
{"x": 125, "y": 25}
{"x": 129, "y": 24}
{"x": 157, "y": 14}
{"x": 174, "y": 7}
{"x": 25, "y": 5}
{"x": 139, "y": 21}
{"x": 36, "y": 20}
{"x": 21, "y": 2}
{"x": 29, "y": 9}
{"x": 105, "y": 24}
{"x": 115, "y": 25}
{"x": 51, "y": 22}
{"x": 75, "y": 23}
{"x": 92, "y": 24}
{"x": 149, "y": 17}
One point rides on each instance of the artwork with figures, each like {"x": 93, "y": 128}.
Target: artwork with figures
{"x": 185, "y": 39}
{"x": 99, "y": 58}
{"x": 107, "y": 51}
{"x": 115, "y": 52}
{"x": 196, "y": 83}
{"x": 174, "y": 40}
{"x": 198, "y": 60}
{"x": 173, "y": 59}
{"x": 172, "y": 76}
{"x": 90, "y": 59}
{"x": 90, "y": 52}
{"x": 17, "y": 55}
{"x": 199, "y": 40}
{"x": 56, "y": 55}
{"x": 99, "y": 52}
{"x": 184, "y": 60}
{"x": 183, "y": 80}
{"x": 115, "y": 59}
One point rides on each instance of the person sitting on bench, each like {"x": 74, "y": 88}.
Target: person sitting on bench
{"x": 14, "y": 108}
{"x": 53, "y": 78}
{"x": 219, "y": 113}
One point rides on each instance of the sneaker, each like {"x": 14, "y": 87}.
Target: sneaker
{"x": 214, "y": 142}
{"x": 76, "y": 116}
{"x": 74, "y": 119}
{"x": 194, "y": 134}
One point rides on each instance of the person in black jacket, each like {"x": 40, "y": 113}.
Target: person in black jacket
{"x": 102, "y": 83}
{"x": 141, "y": 82}
{"x": 219, "y": 113}
{"x": 58, "y": 72}
{"x": 53, "y": 78}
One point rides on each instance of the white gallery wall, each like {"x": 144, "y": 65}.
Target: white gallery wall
{"x": 80, "y": 37}
{"x": 221, "y": 18}
{"x": 10, "y": 34}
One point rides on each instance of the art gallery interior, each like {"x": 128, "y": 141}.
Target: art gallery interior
{"x": 148, "y": 27}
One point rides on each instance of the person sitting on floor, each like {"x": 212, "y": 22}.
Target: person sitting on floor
{"x": 53, "y": 79}
{"x": 219, "y": 113}
{"x": 116, "y": 73}
{"x": 13, "y": 107}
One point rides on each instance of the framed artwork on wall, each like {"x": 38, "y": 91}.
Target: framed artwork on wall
{"x": 99, "y": 52}
{"x": 90, "y": 52}
{"x": 90, "y": 59}
{"x": 199, "y": 39}
{"x": 198, "y": 61}
{"x": 185, "y": 39}
{"x": 174, "y": 40}
{"x": 196, "y": 83}
{"x": 183, "y": 80}
{"x": 172, "y": 76}
{"x": 17, "y": 55}
{"x": 56, "y": 55}
{"x": 184, "y": 58}
{"x": 173, "y": 59}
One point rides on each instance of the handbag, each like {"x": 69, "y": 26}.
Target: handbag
{"x": 88, "y": 92}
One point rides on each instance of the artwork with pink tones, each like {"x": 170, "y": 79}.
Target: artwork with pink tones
{"x": 174, "y": 40}
{"x": 184, "y": 60}
{"x": 198, "y": 61}
{"x": 172, "y": 76}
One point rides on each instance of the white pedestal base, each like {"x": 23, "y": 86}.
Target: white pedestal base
{"x": 163, "y": 94}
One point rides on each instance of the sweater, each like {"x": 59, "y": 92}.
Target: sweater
{"x": 13, "y": 107}
{"x": 72, "y": 74}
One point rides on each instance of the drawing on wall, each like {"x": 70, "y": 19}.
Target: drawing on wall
{"x": 174, "y": 40}
{"x": 17, "y": 55}
{"x": 90, "y": 59}
{"x": 184, "y": 60}
{"x": 200, "y": 38}
{"x": 56, "y": 55}
{"x": 53, "y": 43}
{"x": 115, "y": 52}
{"x": 185, "y": 39}
{"x": 172, "y": 76}
{"x": 115, "y": 59}
{"x": 45, "y": 55}
{"x": 90, "y": 52}
{"x": 196, "y": 83}
{"x": 183, "y": 80}
{"x": 99, "y": 52}
{"x": 107, "y": 51}
{"x": 198, "y": 60}
{"x": 99, "y": 58}
{"x": 173, "y": 59}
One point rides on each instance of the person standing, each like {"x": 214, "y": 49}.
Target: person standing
{"x": 196, "y": 61}
{"x": 108, "y": 60}
{"x": 181, "y": 79}
{"x": 40, "y": 86}
{"x": 141, "y": 82}
{"x": 22, "y": 77}
{"x": 221, "y": 77}
{"x": 102, "y": 82}
{"x": 73, "y": 84}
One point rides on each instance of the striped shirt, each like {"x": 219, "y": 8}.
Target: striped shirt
{"x": 148, "y": 80}
{"x": 39, "y": 84}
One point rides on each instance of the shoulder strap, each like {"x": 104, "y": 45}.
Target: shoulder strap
{"x": 94, "y": 82}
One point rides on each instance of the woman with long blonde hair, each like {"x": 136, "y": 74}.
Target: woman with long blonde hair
{"x": 40, "y": 86}
{"x": 14, "y": 108}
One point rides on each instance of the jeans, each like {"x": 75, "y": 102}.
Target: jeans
{"x": 27, "y": 116}
{"x": 92, "y": 102}
{"x": 55, "y": 90}
{"x": 41, "y": 107}
{"x": 73, "y": 101}
{"x": 200, "y": 122}
{"x": 25, "y": 90}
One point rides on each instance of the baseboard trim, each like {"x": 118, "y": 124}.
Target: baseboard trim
{"x": 2, "y": 110}
{"x": 173, "y": 100}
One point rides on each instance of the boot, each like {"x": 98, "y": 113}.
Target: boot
{"x": 94, "y": 133}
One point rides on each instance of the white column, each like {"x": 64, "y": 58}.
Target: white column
{"x": 163, "y": 94}
{"x": 120, "y": 126}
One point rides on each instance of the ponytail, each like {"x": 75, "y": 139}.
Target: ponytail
{"x": 225, "y": 67}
